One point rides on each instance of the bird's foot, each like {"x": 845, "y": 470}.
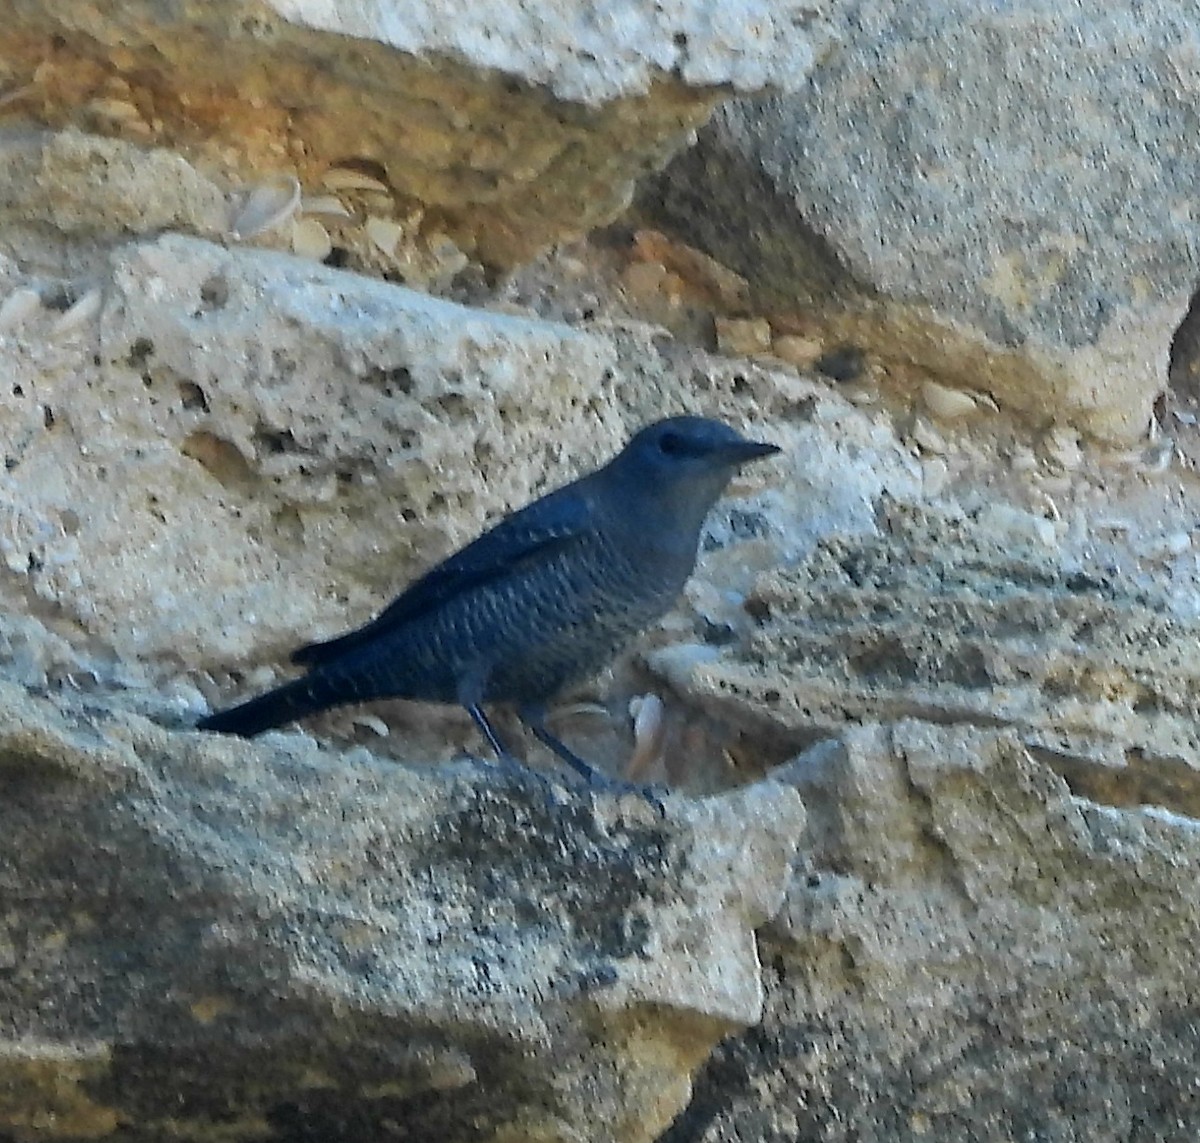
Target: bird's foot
{"x": 597, "y": 780}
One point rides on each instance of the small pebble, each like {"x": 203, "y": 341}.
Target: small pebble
{"x": 743, "y": 337}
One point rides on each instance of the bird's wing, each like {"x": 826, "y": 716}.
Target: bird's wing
{"x": 536, "y": 531}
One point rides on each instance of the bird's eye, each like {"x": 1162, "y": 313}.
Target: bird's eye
{"x": 672, "y": 444}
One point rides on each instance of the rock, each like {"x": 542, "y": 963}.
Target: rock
{"x": 743, "y": 337}
{"x": 975, "y": 667}
{"x": 60, "y": 191}
{"x": 969, "y": 951}
{"x": 1185, "y": 354}
{"x": 974, "y": 619}
{"x": 966, "y": 205}
{"x": 517, "y": 126}
{"x": 707, "y": 281}
{"x": 651, "y": 286}
{"x": 926, "y": 438}
{"x": 947, "y": 404}
{"x": 219, "y": 910}
{"x": 803, "y": 352}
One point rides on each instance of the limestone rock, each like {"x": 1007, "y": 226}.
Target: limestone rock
{"x": 998, "y": 194}
{"x": 83, "y": 185}
{"x": 584, "y": 54}
{"x": 1185, "y": 353}
{"x": 945, "y": 617}
{"x": 276, "y": 939}
{"x": 969, "y": 650}
{"x": 969, "y": 951}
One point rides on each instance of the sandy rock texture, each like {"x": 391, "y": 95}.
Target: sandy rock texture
{"x": 288, "y": 942}
{"x": 926, "y": 710}
{"x": 500, "y": 128}
{"x": 967, "y": 618}
{"x": 970, "y": 950}
{"x": 1000, "y": 193}
{"x": 990, "y": 933}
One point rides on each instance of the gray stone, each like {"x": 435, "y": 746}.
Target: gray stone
{"x": 991, "y": 930}
{"x": 957, "y": 617}
{"x": 589, "y": 54}
{"x": 83, "y": 185}
{"x": 1001, "y": 194}
{"x": 212, "y": 454}
{"x": 276, "y": 939}
{"x": 969, "y": 951}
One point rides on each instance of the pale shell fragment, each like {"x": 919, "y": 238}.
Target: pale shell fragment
{"x": 648, "y": 714}
{"x": 328, "y": 204}
{"x": 267, "y": 206}
{"x": 116, "y": 110}
{"x": 945, "y": 403}
{"x": 22, "y": 303}
{"x": 372, "y": 722}
{"x": 347, "y": 178}
{"x": 311, "y": 240}
{"x": 385, "y": 234}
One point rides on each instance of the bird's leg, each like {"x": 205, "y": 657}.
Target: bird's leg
{"x": 502, "y": 755}
{"x": 481, "y": 720}
{"x": 589, "y": 772}
{"x": 535, "y": 719}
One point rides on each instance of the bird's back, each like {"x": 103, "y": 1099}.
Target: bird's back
{"x": 523, "y": 635}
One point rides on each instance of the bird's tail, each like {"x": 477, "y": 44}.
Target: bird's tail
{"x": 284, "y": 704}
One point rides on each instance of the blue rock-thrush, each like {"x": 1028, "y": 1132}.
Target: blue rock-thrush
{"x": 544, "y": 599}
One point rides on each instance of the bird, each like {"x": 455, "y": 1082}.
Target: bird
{"x": 542, "y": 600}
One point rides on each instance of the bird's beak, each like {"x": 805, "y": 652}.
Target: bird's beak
{"x": 737, "y": 453}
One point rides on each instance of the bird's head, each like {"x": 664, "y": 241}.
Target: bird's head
{"x": 685, "y": 462}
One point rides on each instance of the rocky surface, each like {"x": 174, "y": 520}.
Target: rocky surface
{"x": 927, "y": 709}
{"x": 991, "y": 929}
{"x": 971, "y": 951}
{"x": 970, "y": 618}
{"x": 496, "y": 129}
{"x": 997, "y": 193}
{"x": 284, "y": 941}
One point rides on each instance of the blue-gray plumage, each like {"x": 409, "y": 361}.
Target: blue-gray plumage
{"x": 544, "y": 599}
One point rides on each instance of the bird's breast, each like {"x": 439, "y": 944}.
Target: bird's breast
{"x": 563, "y": 620}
